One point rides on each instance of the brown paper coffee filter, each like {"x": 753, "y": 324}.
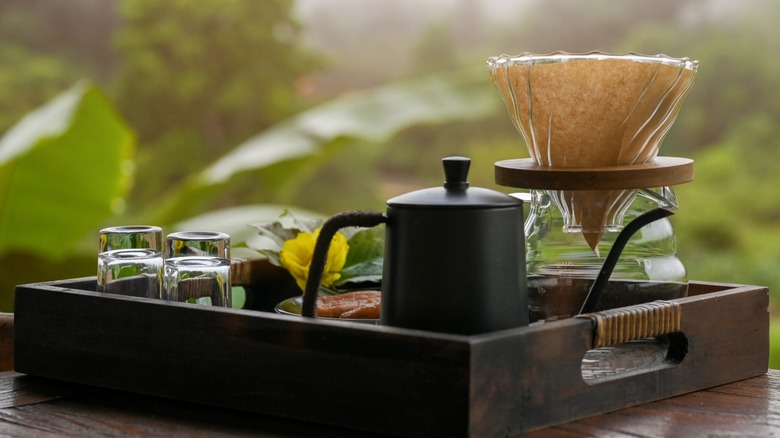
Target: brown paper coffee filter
{"x": 594, "y": 210}
{"x": 592, "y": 110}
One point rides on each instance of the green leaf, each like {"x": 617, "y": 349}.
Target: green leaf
{"x": 374, "y": 115}
{"x": 64, "y": 169}
{"x": 365, "y": 257}
{"x": 272, "y": 234}
{"x": 365, "y": 244}
{"x": 294, "y": 147}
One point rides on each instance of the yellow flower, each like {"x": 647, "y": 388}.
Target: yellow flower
{"x": 296, "y": 257}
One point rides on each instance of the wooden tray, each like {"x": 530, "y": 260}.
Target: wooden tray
{"x": 386, "y": 379}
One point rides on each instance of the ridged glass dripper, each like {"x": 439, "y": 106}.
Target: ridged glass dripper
{"x": 592, "y": 110}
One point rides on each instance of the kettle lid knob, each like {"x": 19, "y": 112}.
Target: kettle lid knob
{"x": 456, "y": 172}
{"x": 456, "y": 193}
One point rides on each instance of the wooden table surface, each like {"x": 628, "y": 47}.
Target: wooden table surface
{"x": 32, "y": 406}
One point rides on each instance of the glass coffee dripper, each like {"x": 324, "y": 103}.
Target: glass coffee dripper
{"x": 593, "y": 124}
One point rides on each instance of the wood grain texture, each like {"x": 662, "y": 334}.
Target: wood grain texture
{"x": 374, "y": 378}
{"x": 18, "y": 390}
{"x": 662, "y": 171}
{"x": 34, "y": 406}
{"x": 747, "y": 408}
{"x": 267, "y": 363}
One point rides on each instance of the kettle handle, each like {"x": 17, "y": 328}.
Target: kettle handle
{"x": 363, "y": 219}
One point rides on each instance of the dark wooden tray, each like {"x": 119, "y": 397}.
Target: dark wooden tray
{"x": 386, "y": 379}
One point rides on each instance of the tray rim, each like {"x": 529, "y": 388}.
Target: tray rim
{"x": 704, "y": 289}
{"x": 469, "y": 361}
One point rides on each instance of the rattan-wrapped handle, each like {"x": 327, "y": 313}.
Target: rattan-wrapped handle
{"x": 616, "y": 326}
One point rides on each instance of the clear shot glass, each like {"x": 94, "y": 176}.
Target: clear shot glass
{"x": 132, "y": 272}
{"x": 198, "y": 280}
{"x": 130, "y": 237}
{"x": 197, "y": 244}
{"x": 130, "y": 260}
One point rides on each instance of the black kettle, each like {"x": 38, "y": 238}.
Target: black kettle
{"x": 454, "y": 257}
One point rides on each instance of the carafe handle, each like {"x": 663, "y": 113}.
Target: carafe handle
{"x": 614, "y": 254}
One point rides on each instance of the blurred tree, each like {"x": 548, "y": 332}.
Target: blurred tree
{"x": 469, "y": 23}
{"x": 552, "y": 25}
{"x": 736, "y": 185}
{"x": 64, "y": 169}
{"x": 75, "y": 30}
{"x": 436, "y": 51}
{"x": 47, "y": 45}
{"x": 198, "y": 78}
{"x": 735, "y": 82}
{"x": 27, "y": 79}
{"x": 368, "y": 40}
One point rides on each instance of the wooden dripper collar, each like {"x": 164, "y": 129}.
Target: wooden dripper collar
{"x": 591, "y": 193}
{"x": 660, "y": 172}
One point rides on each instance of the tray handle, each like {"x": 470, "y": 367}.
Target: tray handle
{"x": 617, "y": 326}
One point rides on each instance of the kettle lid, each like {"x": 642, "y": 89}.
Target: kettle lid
{"x": 455, "y": 193}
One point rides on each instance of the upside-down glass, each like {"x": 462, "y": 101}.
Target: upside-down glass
{"x": 198, "y": 243}
{"x": 133, "y": 272}
{"x": 198, "y": 280}
{"x": 130, "y": 260}
{"x": 130, "y": 237}
{"x": 197, "y": 268}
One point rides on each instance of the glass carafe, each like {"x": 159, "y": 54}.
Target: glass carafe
{"x": 593, "y": 124}
{"x": 562, "y": 265}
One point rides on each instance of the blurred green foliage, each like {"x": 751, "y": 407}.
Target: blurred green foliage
{"x": 64, "y": 168}
{"x": 210, "y": 86}
{"x": 213, "y": 75}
